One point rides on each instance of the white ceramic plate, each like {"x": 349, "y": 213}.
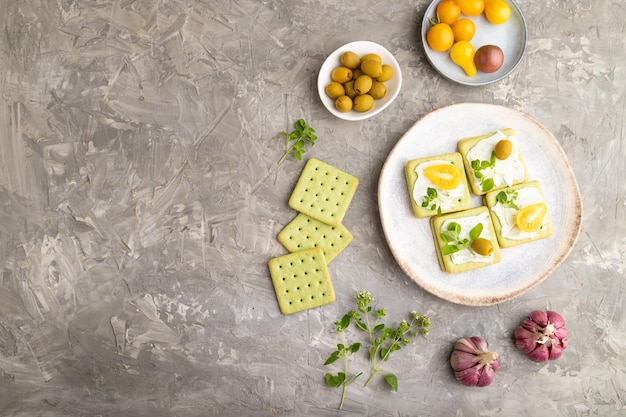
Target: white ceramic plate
{"x": 511, "y": 37}
{"x": 361, "y": 48}
{"x": 522, "y": 267}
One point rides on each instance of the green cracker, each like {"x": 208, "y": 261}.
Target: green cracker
{"x": 491, "y": 201}
{"x": 301, "y": 280}
{"x": 445, "y": 261}
{"x": 466, "y": 145}
{"x": 304, "y": 232}
{"x": 463, "y": 202}
{"x": 323, "y": 192}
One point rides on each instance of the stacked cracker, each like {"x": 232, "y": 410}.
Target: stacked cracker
{"x": 507, "y": 197}
{"x": 314, "y": 237}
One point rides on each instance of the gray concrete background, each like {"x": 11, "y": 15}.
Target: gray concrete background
{"x": 140, "y": 200}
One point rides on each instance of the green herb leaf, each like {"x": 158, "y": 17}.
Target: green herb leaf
{"x": 476, "y": 231}
{"x": 392, "y": 380}
{"x": 508, "y": 198}
{"x": 431, "y": 200}
{"x": 487, "y": 184}
{"x": 297, "y": 139}
{"x": 449, "y": 249}
{"x": 454, "y": 227}
{"x": 332, "y": 358}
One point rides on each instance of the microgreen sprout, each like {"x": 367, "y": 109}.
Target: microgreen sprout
{"x": 486, "y": 181}
{"x": 431, "y": 200}
{"x": 297, "y": 139}
{"x": 383, "y": 341}
{"x": 508, "y": 198}
{"x": 452, "y": 237}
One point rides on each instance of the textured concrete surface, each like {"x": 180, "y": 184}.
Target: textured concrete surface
{"x": 140, "y": 200}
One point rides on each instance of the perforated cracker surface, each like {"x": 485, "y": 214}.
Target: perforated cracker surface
{"x": 305, "y": 232}
{"x": 301, "y": 280}
{"x": 323, "y": 192}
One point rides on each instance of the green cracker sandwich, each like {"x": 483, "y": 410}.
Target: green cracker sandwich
{"x": 323, "y": 192}
{"x": 487, "y": 172}
{"x": 520, "y": 214}
{"x": 454, "y": 233}
{"x": 304, "y": 232}
{"x": 440, "y": 187}
{"x": 301, "y": 280}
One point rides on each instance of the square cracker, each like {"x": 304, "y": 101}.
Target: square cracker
{"x": 323, "y": 192}
{"x": 545, "y": 230}
{"x": 455, "y": 159}
{"x": 466, "y": 145}
{"x": 304, "y": 232}
{"x": 445, "y": 261}
{"x": 301, "y": 280}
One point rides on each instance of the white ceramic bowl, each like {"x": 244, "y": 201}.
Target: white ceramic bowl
{"x": 360, "y": 48}
{"x": 511, "y": 37}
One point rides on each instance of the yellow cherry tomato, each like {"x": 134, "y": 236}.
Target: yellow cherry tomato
{"x": 471, "y": 7}
{"x": 440, "y": 37}
{"x": 448, "y": 11}
{"x": 497, "y": 11}
{"x": 462, "y": 54}
{"x": 463, "y": 29}
{"x": 529, "y": 218}
{"x": 444, "y": 176}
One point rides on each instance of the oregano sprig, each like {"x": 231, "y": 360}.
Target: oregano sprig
{"x": 383, "y": 341}
{"x": 508, "y": 198}
{"x": 391, "y": 340}
{"x": 478, "y": 166}
{"x": 297, "y": 139}
{"x": 431, "y": 200}
{"x": 341, "y": 379}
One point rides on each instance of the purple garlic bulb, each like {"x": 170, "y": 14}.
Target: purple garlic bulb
{"x": 542, "y": 335}
{"x": 473, "y": 364}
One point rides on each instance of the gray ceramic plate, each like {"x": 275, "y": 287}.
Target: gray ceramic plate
{"x": 522, "y": 267}
{"x": 511, "y": 37}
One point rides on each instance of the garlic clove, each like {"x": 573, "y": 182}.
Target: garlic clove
{"x": 539, "y": 354}
{"x": 540, "y": 317}
{"x": 486, "y": 377}
{"x": 525, "y": 339}
{"x": 556, "y": 351}
{"x": 561, "y": 334}
{"x": 556, "y": 319}
{"x": 469, "y": 377}
{"x": 462, "y": 360}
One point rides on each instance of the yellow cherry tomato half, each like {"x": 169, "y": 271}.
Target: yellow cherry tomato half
{"x": 497, "y": 11}
{"x": 444, "y": 176}
{"x": 529, "y": 218}
{"x": 440, "y": 37}
{"x": 448, "y": 11}
{"x": 471, "y": 7}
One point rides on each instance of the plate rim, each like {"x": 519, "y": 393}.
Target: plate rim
{"x": 504, "y": 296}
{"x": 500, "y": 77}
{"x": 365, "y": 115}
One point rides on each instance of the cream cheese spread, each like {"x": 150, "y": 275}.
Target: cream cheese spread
{"x": 467, "y": 224}
{"x": 445, "y": 198}
{"x": 506, "y": 214}
{"x": 505, "y": 172}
